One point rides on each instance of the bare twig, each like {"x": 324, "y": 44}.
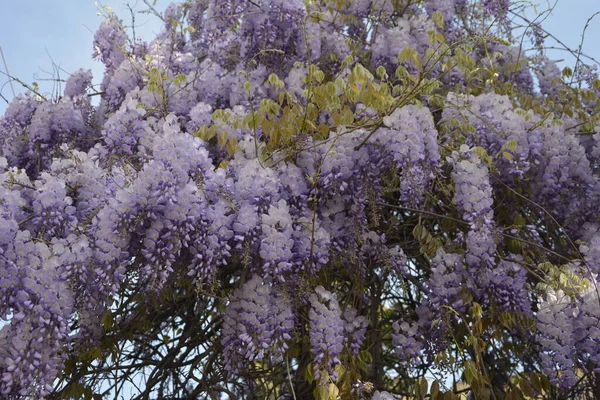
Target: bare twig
{"x": 574, "y": 53}
{"x": 580, "y": 48}
{"x": 152, "y": 10}
{"x": 26, "y": 86}
{"x": 7, "y": 73}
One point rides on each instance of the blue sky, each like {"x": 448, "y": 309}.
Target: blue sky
{"x": 35, "y": 32}
{"x": 567, "y": 22}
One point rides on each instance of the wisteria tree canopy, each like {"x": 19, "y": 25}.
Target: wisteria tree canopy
{"x": 297, "y": 199}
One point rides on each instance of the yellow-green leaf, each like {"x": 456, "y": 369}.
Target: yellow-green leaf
{"x": 435, "y": 390}
{"x": 107, "y": 320}
{"x": 309, "y": 373}
{"x": 438, "y": 18}
{"x": 333, "y": 391}
{"x": 321, "y": 393}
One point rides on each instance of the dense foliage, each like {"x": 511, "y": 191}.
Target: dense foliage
{"x": 359, "y": 199}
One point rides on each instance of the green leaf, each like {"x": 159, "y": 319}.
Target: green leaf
{"x": 526, "y": 387}
{"x": 309, "y": 373}
{"x": 536, "y": 383}
{"x": 179, "y": 79}
{"x": 319, "y": 76}
{"x": 418, "y": 231}
{"x": 222, "y": 138}
{"x": 381, "y": 73}
{"x": 519, "y": 221}
{"x": 365, "y": 356}
{"x": 470, "y": 372}
{"x": 274, "y": 80}
{"x": 421, "y": 388}
{"x": 231, "y": 146}
{"x": 438, "y": 18}
{"x": 340, "y": 370}
{"x": 511, "y": 145}
{"x": 95, "y": 353}
{"x": 401, "y": 72}
{"x": 333, "y": 391}
{"x": 435, "y": 390}
{"x": 545, "y": 383}
{"x": 481, "y": 152}
{"x": 321, "y": 393}
{"x": 506, "y": 320}
{"x": 407, "y": 53}
{"x": 107, "y": 320}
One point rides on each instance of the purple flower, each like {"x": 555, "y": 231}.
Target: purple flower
{"x": 326, "y": 331}
{"x": 258, "y": 323}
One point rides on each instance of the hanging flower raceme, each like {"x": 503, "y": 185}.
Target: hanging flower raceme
{"x": 258, "y": 324}
{"x": 258, "y": 152}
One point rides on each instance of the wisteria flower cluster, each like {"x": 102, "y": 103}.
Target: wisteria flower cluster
{"x": 291, "y": 199}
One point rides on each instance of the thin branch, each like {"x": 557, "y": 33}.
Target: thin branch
{"x": 24, "y": 85}
{"x": 7, "y": 73}
{"x": 574, "y": 53}
{"x": 152, "y": 10}
{"x": 4, "y": 98}
{"x": 422, "y": 212}
{"x": 580, "y": 48}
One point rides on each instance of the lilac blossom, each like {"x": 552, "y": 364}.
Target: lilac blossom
{"x": 78, "y": 83}
{"x": 355, "y": 329}
{"x": 407, "y": 341}
{"x": 101, "y": 202}
{"x": 549, "y": 77}
{"x": 108, "y": 43}
{"x": 257, "y": 324}
{"x": 473, "y": 197}
{"x": 326, "y": 331}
